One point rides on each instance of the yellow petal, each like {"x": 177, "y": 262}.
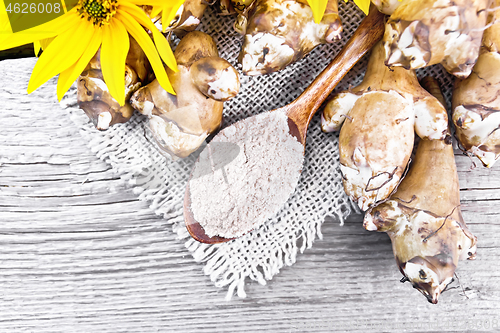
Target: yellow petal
{"x": 364, "y": 5}
{"x": 146, "y": 44}
{"x": 46, "y": 30}
{"x": 44, "y": 43}
{"x": 5, "y": 27}
{"x": 41, "y": 45}
{"x": 155, "y": 11}
{"x": 318, "y": 8}
{"x": 161, "y": 42}
{"x": 114, "y": 49}
{"x": 37, "y": 47}
{"x": 62, "y": 52}
{"x": 168, "y": 15}
{"x": 68, "y": 76}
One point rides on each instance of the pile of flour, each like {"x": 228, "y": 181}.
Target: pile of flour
{"x": 245, "y": 175}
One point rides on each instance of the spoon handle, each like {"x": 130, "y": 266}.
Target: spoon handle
{"x": 368, "y": 33}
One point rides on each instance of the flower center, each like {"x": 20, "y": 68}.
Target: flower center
{"x": 97, "y": 11}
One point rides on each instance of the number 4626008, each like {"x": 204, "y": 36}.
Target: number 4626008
{"x": 32, "y": 8}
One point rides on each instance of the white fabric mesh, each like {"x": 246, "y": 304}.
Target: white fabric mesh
{"x": 260, "y": 254}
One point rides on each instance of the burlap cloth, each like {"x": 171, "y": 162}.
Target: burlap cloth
{"x": 260, "y": 254}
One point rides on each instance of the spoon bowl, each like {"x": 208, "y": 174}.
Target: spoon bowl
{"x": 302, "y": 109}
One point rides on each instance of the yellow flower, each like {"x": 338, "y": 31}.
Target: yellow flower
{"x": 80, "y": 32}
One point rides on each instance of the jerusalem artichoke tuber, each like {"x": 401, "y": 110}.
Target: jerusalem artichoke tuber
{"x": 187, "y": 18}
{"x": 377, "y": 138}
{"x": 279, "y": 32}
{"x": 180, "y": 123}
{"x": 476, "y": 100}
{"x": 421, "y": 33}
{"x": 93, "y": 95}
{"x": 386, "y": 6}
{"x": 424, "y": 220}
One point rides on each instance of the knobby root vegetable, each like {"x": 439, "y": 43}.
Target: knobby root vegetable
{"x": 225, "y": 7}
{"x": 377, "y": 121}
{"x": 93, "y": 95}
{"x": 386, "y": 6}
{"x": 229, "y": 7}
{"x": 280, "y": 32}
{"x": 187, "y": 18}
{"x": 476, "y": 100}
{"x": 242, "y": 9}
{"x": 180, "y": 123}
{"x": 424, "y": 220}
{"x": 421, "y": 33}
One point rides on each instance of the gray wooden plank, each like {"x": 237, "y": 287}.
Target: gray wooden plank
{"x": 93, "y": 258}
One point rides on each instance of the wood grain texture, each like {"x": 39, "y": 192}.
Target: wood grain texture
{"x": 80, "y": 253}
{"x": 23, "y": 51}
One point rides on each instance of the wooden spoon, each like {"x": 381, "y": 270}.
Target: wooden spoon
{"x": 301, "y": 110}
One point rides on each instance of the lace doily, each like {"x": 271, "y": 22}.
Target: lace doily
{"x": 260, "y": 254}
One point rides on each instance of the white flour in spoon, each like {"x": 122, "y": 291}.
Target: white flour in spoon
{"x": 245, "y": 175}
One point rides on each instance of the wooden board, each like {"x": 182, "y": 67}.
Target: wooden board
{"x": 80, "y": 253}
